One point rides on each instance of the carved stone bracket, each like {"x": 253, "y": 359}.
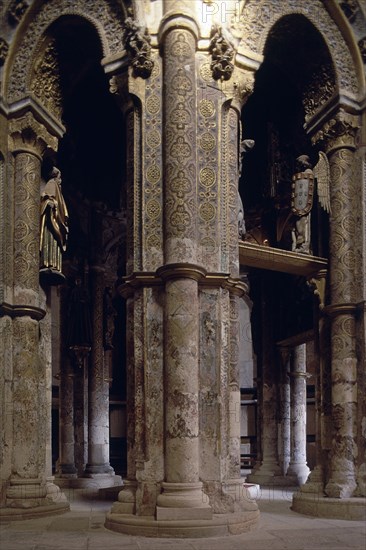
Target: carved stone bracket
{"x": 27, "y": 134}
{"x": 222, "y": 54}
{"x": 136, "y": 40}
{"x": 318, "y": 283}
{"x": 4, "y": 48}
{"x": 338, "y": 132}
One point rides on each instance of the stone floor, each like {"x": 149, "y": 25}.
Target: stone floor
{"x": 279, "y": 528}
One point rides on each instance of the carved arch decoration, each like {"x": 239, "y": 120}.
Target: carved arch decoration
{"x": 106, "y": 16}
{"x": 259, "y": 16}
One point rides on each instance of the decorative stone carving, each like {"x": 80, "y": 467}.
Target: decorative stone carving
{"x": 258, "y": 17}
{"x": 45, "y": 82}
{"x": 320, "y": 89}
{"x": 222, "y": 54}
{"x": 136, "y": 40}
{"x": 340, "y": 131}
{"x": 16, "y": 11}
{"x": 106, "y": 17}
{"x": 4, "y": 48}
{"x": 27, "y": 132}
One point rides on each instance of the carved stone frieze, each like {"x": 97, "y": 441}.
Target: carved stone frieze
{"x": 26, "y": 133}
{"x": 45, "y": 83}
{"x": 258, "y": 17}
{"x": 16, "y": 11}
{"x": 136, "y": 40}
{"x": 222, "y": 54}
{"x": 104, "y": 15}
{"x": 320, "y": 89}
{"x": 4, "y": 48}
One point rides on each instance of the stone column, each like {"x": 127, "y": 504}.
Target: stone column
{"x": 66, "y": 466}
{"x": 182, "y": 490}
{"x": 269, "y": 471}
{"x": 66, "y": 459}
{"x": 28, "y": 487}
{"x": 284, "y": 431}
{"x": 298, "y": 467}
{"x": 98, "y": 408}
{"x": 340, "y": 133}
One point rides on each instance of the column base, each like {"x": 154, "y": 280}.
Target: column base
{"x": 89, "y": 481}
{"x": 321, "y": 506}
{"x": 147, "y": 526}
{"x": 298, "y": 472}
{"x": 31, "y": 498}
{"x": 270, "y": 474}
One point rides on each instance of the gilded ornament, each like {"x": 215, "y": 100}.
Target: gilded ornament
{"x": 180, "y": 219}
{"x": 153, "y": 139}
{"x": 207, "y": 141}
{"x": 205, "y": 72}
{"x": 206, "y": 108}
{"x": 180, "y": 116}
{"x": 153, "y": 174}
{"x": 153, "y": 104}
{"x": 180, "y": 185}
{"x": 153, "y": 209}
{"x": 180, "y": 149}
{"x": 181, "y": 83}
{"x": 207, "y": 212}
{"x": 207, "y": 177}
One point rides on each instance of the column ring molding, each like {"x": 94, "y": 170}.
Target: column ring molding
{"x": 178, "y": 21}
{"x": 334, "y": 310}
{"x": 13, "y": 311}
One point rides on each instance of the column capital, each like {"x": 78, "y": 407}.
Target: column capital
{"x": 173, "y": 20}
{"x": 28, "y": 135}
{"x": 338, "y": 132}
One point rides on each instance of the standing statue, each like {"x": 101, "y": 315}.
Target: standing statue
{"x": 303, "y": 183}
{"x": 301, "y": 204}
{"x": 54, "y": 229}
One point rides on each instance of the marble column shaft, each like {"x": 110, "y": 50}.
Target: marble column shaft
{"x": 298, "y": 466}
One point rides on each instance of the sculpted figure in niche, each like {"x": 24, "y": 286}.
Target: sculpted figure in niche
{"x": 54, "y": 229}
{"x": 301, "y": 204}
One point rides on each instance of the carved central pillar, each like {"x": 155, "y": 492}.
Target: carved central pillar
{"x": 340, "y": 136}
{"x": 182, "y": 487}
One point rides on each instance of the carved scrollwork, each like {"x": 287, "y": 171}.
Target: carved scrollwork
{"x": 320, "y": 90}
{"x": 222, "y": 54}
{"x": 45, "y": 82}
{"x": 349, "y": 8}
{"x": 16, "y": 11}
{"x": 4, "y": 48}
{"x": 362, "y": 48}
{"x": 339, "y": 131}
{"x": 136, "y": 40}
